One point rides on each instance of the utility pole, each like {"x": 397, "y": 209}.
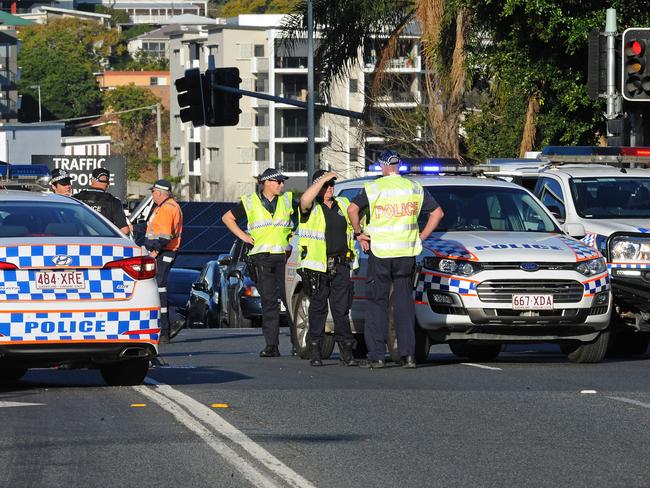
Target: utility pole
{"x": 159, "y": 141}
{"x": 310, "y": 92}
{"x": 613, "y": 99}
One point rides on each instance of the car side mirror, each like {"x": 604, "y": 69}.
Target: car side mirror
{"x": 198, "y": 286}
{"x": 235, "y": 273}
{"x": 225, "y": 261}
{"x": 575, "y": 230}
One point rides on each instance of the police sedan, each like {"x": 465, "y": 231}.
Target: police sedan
{"x": 74, "y": 291}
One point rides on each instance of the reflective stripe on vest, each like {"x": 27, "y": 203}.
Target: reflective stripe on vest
{"x": 312, "y": 237}
{"x": 395, "y": 204}
{"x": 166, "y": 226}
{"x": 270, "y": 232}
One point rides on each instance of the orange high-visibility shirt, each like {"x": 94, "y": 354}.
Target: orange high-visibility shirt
{"x": 166, "y": 222}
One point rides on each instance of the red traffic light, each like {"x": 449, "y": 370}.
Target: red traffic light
{"x": 635, "y": 81}
{"x": 635, "y": 48}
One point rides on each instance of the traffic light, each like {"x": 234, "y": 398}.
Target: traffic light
{"x": 618, "y": 132}
{"x": 224, "y": 107}
{"x": 193, "y": 96}
{"x": 636, "y": 65}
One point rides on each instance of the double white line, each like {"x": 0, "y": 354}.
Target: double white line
{"x": 264, "y": 470}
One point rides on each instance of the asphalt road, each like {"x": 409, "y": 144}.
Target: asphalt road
{"x": 214, "y": 414}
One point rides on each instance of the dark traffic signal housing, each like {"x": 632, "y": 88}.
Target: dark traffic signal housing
{"x": 224, "y": 106}
{"x": 193, "y": 96}
{"x": 636, "y": 64}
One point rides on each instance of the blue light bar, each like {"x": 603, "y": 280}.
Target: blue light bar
{"x": 15, "y": 171}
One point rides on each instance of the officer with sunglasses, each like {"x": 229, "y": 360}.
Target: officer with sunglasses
{"x": 326, "y": 254}
{"x": 269, "y": 213}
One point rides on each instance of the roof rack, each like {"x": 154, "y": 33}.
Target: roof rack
{"x": 29, "y": 177}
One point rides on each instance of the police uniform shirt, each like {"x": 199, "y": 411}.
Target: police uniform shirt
{"x": 429, "y": 204}
{"x": 239, "y": 212}
{"x": 104, "y": 203}
{"x": 336, "y": 228}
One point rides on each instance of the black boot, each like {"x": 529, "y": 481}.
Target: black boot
{"x": 345, "y": 350}
{"x": 314, "y": 353}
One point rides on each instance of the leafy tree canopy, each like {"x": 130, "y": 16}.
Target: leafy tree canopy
{"x": 128, "y": 97}
{"x": 235, "y": 7}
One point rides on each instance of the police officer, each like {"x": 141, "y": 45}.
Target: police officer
{"x": 392, "y": 240}
{"x": 162, "y": 239}
{"x": 326, "y": 253}
{"x": 269, "y": 213}
{"x": 60, "y": 182}
{"x": 103, "y": 202}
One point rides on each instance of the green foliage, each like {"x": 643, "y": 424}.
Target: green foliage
{"x": 61, "y": 57}
{"x": 117, "y": 16}
{"x": 128, "y": 97}
{"x": 136, "y": 30}
{"x": 143, "y": 61}
{"x": 232, "y": 8}
{"x": 526, "y": 47}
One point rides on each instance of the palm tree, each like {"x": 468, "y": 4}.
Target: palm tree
{"x": 345, "y": 26}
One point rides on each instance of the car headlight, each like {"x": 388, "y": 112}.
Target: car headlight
{"x": 592, "y": 267}
{"x": 458, "y": 267}
{"x": 630, "y": 249}
{"x": 251, "y": 291}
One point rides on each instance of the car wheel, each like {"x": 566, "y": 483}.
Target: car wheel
{"x": 9, "y": 376}
{"x": 630, "y": 343}
{"x": 125, "y": 373}
{"x": 327, "y": 346}
{"x": 476, "y": 352}
{"x": 422, "y": 344}
{"x": 300, "y": 327}
{"x": 592, "y": 352}
{"x": 237, "y": 321}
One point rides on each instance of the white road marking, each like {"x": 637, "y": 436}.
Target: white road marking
{"x": 189, "y": 411}
{"x": 18, "y": 404}
{"x": 588, "y": 392}
{"x": 482, "y": 366}
{"x": 630, "y": 401}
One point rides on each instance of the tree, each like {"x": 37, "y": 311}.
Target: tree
{"x": 236, "y": 7}
{"x": 135, "y": 134}
{"x": 346, "y": 26}
{"x": 61, "y": 57}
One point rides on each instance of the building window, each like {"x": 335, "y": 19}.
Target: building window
{"x": 259, "y": 50}
{"x": 354, "y": 85}
{"x": 153, "y": 81}
{"x": 354, "y": 154}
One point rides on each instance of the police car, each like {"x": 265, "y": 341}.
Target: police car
{"x": 74, "y": 291}
{"x": 498, "y": 269}
{"x": 601, "y": 195}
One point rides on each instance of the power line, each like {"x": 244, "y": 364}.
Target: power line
{"x": 149, "y": 107}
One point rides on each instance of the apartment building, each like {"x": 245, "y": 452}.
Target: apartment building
{"x": 9, "y": 66}
{"x": 219, "y": 163}
{"x": 156, "y": 81}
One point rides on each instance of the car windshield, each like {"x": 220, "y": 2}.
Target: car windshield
{"x": 606, "y": 197}
{"x": 489, "y": 208}
{"x": 43, "y": 218}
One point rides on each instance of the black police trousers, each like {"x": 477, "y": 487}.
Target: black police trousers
{"x": 164, "y": 262}
{"x": 382, "y": 273}
{"x": 270, "y": 285}
{"x": 338, "y": 291}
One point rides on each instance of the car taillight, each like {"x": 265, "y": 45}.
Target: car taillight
{"x": 139, "y": 268}
{"x": 6, "y": 265}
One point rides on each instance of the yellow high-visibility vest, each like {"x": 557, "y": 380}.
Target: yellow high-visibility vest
{"x": 270, "y": 232}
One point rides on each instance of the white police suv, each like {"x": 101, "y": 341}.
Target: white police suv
{"x": 601, "y": 195}
{"x": 498, "y": 269}
{"x": 74, "y": 291}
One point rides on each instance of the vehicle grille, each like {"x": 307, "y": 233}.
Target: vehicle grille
{"x": 515, "y": 265}
{"x": 501, "y": 291}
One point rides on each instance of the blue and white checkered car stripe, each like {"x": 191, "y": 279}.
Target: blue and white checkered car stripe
{"x": 596, "y": 285}
{"x": 121, "y": 326}
{"x": 435, "y": 281}
{"x": 582, "y": 251}
{"x": 83, "y": 255}
{"x": 444, "y": 248}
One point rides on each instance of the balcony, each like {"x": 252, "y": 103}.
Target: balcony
{"x": 7, "y": 79}
{"x": 291, "y": 64}
{"x": 397, "y": 99}
{"x": 260, "y": 134}
{"x": 260, "y": 65}
{"x": 288, "y": 135}
{"x": 259, "y": 103}
{"x": 401, "y": 64}
{"x": 8, "y": 109}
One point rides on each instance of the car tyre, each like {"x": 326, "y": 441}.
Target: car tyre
{"x": 125, "y": 373}
{"x": 300, "y": 317}
{"x": 9, "y": 376}
{"x": 422, "y": 345}
{"x": 591, "y": 352}
{"x": 391, "y": 343}
{"x": 631, "y": 343}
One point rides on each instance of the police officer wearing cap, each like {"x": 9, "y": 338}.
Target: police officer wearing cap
{"x": 326, "y": 254}
{"x": 393, "y": 240}
{"x": 103, "y": 202}
{"x": 60, "y": 182}
{"x": 269, "y": 213}
{"x": 163, "y": 239}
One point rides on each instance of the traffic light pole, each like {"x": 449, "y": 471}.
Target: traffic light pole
{"x": 612, "y": 97}
{"x": 272, "y": 98}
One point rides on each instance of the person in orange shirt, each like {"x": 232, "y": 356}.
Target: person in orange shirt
{"x": 163, "y": 239}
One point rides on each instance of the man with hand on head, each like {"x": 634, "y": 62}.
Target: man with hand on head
{"x": 103, "y": 202}
{"x": 393, "y": 240}
{"x": 326, "y": 254}
{"x": 60, "y": 182}
{"x": 269, "y": 214}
